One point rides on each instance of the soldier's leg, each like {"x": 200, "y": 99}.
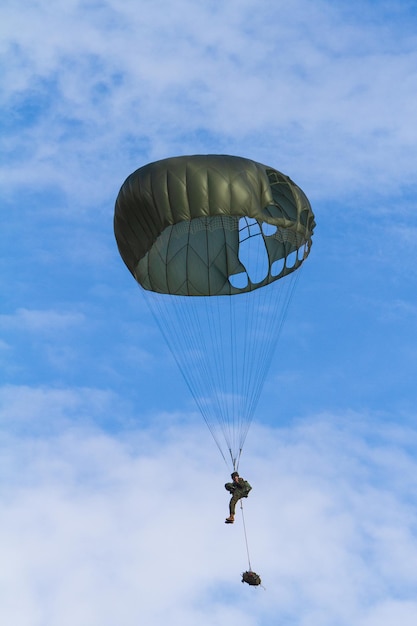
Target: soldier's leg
{"x": 232, "y": 503}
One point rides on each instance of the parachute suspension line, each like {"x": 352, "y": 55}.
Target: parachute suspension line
{"x": 193, "y": 332}
{"x": 249, "y": 244}
{"x": 264, "y": 315}
{"x": 255, "y": 322}
{"x": 217, "y": 325}
{"x": 237, "y": 461}
{"x": 223, "y": 346}
{"x": 246, "y": 536}
{"x": 162, "y": 312}
{"x": 277, "y": 312}
{"x": 271, "y": 307}
{"x": 240, "y": 328}
{"x": 209, "y": 343}
{"x": 236, "y": 412}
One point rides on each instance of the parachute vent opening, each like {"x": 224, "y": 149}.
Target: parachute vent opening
{"x": 277, "y": 267}
{"x": 269, "y": 229}
{"x": 291, "y": 259}
{"x": 239, "y": 281}
{"x": 252, "y": 252}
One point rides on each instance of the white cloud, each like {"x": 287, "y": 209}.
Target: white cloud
{"x": 391, "y": 612}
{"x": 97, "y": 528}
{"x": 36, "y": 410}
{"x": 334, "y": 94}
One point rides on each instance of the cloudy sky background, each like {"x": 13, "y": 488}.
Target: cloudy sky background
{"x": 111, "y": 489}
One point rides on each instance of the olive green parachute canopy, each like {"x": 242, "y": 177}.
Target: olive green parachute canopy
{"x": 215, "y": 225}
{"x": 179, "y": 224}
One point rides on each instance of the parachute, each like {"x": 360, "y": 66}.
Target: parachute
{"x": 215, "y": 242}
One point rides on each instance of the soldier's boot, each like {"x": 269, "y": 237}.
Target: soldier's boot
{"x": 230, "y": 519}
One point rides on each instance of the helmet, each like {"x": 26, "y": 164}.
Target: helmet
{"x": 234, "y": 474}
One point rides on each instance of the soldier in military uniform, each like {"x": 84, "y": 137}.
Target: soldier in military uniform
{"x": 239, "y": 488}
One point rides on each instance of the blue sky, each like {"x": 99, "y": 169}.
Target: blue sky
{"x": 111, "y": 490}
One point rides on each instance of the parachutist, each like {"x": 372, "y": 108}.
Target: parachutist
{"x": 239, "y": 488}
{"x": 215, "y": 242}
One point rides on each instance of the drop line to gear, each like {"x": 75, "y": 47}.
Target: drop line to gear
{"x": 239, "y": 489}
{"x": 250, "y": 577}
{"x": 246, "y": 536}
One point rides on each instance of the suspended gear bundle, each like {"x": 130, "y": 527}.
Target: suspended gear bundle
{"x": 251, "y": 578}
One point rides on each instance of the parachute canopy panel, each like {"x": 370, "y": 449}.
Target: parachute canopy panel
{"x": 181, "y": 224}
